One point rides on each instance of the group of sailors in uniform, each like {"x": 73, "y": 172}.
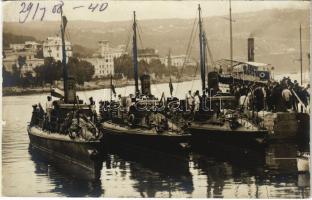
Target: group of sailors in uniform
{"x": 282, "y": 96}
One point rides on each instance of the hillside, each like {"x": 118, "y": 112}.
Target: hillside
{"x": 276, "y": 35}
{"x": 9, "y": 38}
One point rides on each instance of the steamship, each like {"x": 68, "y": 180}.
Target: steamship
{"x": 244, "y": 72}
{"x": 66, "y": 135}
{"x": 135, "y": 121}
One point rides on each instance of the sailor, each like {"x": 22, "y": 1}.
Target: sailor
{"x": 119, "y": 105}
{"x": 129, "y": 102}
{"x": 196, "y": 101}
{"x": 287, "y": 97}
{"x": 189, "y": 100}
{"x": 49, "y": 107}
{"x": 93, "y": 109}
{"x": 276, "y": 97}
{"x": 243, "y": 102}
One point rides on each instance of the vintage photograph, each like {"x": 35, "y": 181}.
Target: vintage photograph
{"x": 156, "y": 99}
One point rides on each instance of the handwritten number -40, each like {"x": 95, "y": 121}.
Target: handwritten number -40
{"x": 102, "y": 7}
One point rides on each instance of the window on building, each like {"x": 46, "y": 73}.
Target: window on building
{"x": 106, "y": 60}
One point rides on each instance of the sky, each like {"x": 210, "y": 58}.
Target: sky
{"x": 122, "y": 10}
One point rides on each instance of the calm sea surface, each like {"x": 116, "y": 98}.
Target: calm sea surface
{"x": 272, "y": 174}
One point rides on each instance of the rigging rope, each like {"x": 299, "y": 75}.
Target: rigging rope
{"x": 196, "y": 69}
{"x": 189, "y": 46}
{"x": 127, "y": 46}
{"x": 209, "y": 51}
{"x": 140, "y": 31}
{"x": 139, "y": 34}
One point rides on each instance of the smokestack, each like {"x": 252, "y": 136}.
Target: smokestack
{"x": 251, "y": 53}
{"x": 146, "y": 84}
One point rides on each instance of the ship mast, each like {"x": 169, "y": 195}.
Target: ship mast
{"x": 300, "y": 55}
{"x": 231, "y": 36}
{"x": 201, "y": 48}
{"x": 65, "y": 70}
{"x": 135, "y": 56}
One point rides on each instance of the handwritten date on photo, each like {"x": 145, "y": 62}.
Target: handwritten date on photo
{"x": 30, "y": 10}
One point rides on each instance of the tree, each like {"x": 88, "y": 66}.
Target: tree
{"x": 49, "y": 72}
{"x": 123, "y": 65}
{"x": 81, "y": 70}
{"x": 28, "y": 79}
{"x": 21, "y": 60}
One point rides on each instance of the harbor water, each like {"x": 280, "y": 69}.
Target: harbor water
{"x": 214, "y": 173}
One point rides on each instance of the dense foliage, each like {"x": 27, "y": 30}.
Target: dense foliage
{"x": 124, "y": 65}
{"x": 49, "y": 72}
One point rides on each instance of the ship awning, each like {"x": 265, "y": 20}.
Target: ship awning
{"x": 240, "y": 65}
{"x": 58, "y": 93}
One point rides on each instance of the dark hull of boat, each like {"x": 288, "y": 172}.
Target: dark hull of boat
{"x": 163, "y": 143}
{"x": 79, "y": 155}
{"x": 250, "y": 139}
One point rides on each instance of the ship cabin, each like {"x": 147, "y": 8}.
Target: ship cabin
{"x": 243, "y": 71}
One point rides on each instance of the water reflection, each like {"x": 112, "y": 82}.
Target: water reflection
{"x": 68, "y": 180}
{"x": 155, "y": 172}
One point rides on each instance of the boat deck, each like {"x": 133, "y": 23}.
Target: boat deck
{"x": 55, "y": 136}
{"x": 138, "y": 131}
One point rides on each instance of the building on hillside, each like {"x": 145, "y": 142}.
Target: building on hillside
{"x": 12, "y": 57}
{"x": 17, "y": 47}
{"x": 147, "y": 54}
{"x": 105, "y": 51}
{"x": 102, "y": 67}
{"x": 8, "y": 64}
{"x": 52, "y": 47}
{"x": 29, "y": 65}
{"x": 27, "y": 46}
{"x": 178, "y": 61}
{"x": 103, "y": 60}
{"x": 32, "y": 46}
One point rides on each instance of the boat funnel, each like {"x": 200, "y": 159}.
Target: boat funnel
{"x": 251, "y": 47}
{"x": 71, "y": 89}
{"x": 213, "y": 81}
{"x": 146, "y": 84}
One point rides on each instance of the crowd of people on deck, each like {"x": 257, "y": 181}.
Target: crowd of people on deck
{"x": 285, "y": 95}
{"x": 281, "y": 96}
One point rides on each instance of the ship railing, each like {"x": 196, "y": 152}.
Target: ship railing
{"x": 301, "y": 104}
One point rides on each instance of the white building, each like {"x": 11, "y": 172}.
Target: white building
{"x": 108, "y": 52}
{"x": 17, "y": 47}
{"x": 52, "y": 47}
{"x": 103, "y": 61}
{"x": 178, "y": 61}
{"x": 33, "y": 46}
{"x": 27, "y": 46}
{"x": 103, "y": 67}
{"x": 147, "y": 54}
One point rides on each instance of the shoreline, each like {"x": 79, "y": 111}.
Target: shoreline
{"x": 94, "y": 85}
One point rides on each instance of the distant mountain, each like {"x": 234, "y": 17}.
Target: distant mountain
{"x": 9, "y": 38}
{"x": 276, "y": 34}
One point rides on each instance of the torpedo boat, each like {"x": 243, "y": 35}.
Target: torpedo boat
{"x": 215, "y": 115}
{"x": 136, "y": 121}
{"x": 66, "y": 131}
